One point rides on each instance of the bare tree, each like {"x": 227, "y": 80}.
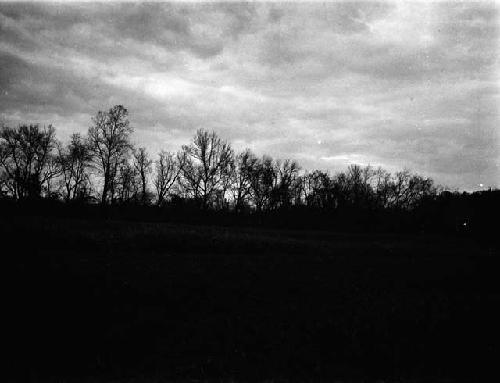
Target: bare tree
{"x": 318, "y": 190}
{"x": 26, "y": 155}
{"x": 207, "y": 162}
{"x": 382, "y": 186}
{"x": 399, "y": 188}
{"x": 128, "y": 183}
{"x": 191, "y": 178}
{"x": 263, "y": 181}
{"x": 244, "y": 166}
{"x": 49, "y": 173}
{"x": 353, "y": 187}
{"x": 358, "y": 180}
{"x": 168, "y": 168}
{"x": 75, "y": 161}
{"x": 274, "y": 184}
{"x": 109, "y": 142}
{"x": 142, "y": 164}
{"x": 286, "y": 174}
{"x": 7, "y": 181}
{"x": 408, "y": 189}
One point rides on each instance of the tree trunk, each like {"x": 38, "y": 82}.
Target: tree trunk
{"x": 105, "y": 190}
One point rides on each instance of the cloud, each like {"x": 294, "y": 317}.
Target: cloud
{"x": 393, "y": 84}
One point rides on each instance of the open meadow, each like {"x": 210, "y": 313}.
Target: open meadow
{"x": 120, "y": 300}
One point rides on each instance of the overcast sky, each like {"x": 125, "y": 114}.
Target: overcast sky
{"x": 399, "y": 85}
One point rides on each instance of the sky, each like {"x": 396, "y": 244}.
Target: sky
{"x": 394, "y": 84}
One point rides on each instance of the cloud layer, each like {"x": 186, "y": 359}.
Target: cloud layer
{"x": 393, "y": 84}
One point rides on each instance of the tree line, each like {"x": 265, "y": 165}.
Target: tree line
{"x": 104, "y": 167}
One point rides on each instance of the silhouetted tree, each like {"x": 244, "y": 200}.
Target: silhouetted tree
{"x": 5, "y": 185}
{"x": 223, "y": 192}
{"x": 109, "y": 143}
{"x": 26, "y": 157}
{"x": 358, "y": 184}
{"x": 168, "y": 169}
{"x": 241, "y": 185}
{"x": 318, "y": 190}
{"x": 207, "y": 163}
{"x": 75, "y": 160}
{"x": 286, "y": 173}
{"x": 262, "y": 183}
{"x": 408, "y": 189}
{"x": 128, "y": 183}
{"x": 382, "y": 186}
{"x": 142, "y": 165}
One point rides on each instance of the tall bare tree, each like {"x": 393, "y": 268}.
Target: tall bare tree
{"x": 408, "y": 189}
{"x": 382, "y": 187}
{"x": 75, "y": 159}
{"x": 128, "y": 183}
{"x": 207, "y": 162}
{"x": 286, "y": 173}
{"x": 318, "y": 190}
{"x": 262, "y": 183}
{"x": 168, "y": 168}
{"x": 109, "y": 142}
{"x": 245, "y": 164}
{"x": 26, "y": 158}
{"x": 142, "y": 164}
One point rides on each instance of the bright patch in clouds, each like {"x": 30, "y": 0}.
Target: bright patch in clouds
{"x": 403, "y": 84}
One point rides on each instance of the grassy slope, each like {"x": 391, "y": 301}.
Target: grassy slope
{"x": 186, "y": 302}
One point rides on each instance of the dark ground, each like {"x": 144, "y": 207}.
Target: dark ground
{"x": 101, "y": 300}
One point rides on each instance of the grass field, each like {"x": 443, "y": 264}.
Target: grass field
{"x": 128, "y": 301}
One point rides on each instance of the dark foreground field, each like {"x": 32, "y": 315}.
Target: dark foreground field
{"x": 126, "y": 301}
